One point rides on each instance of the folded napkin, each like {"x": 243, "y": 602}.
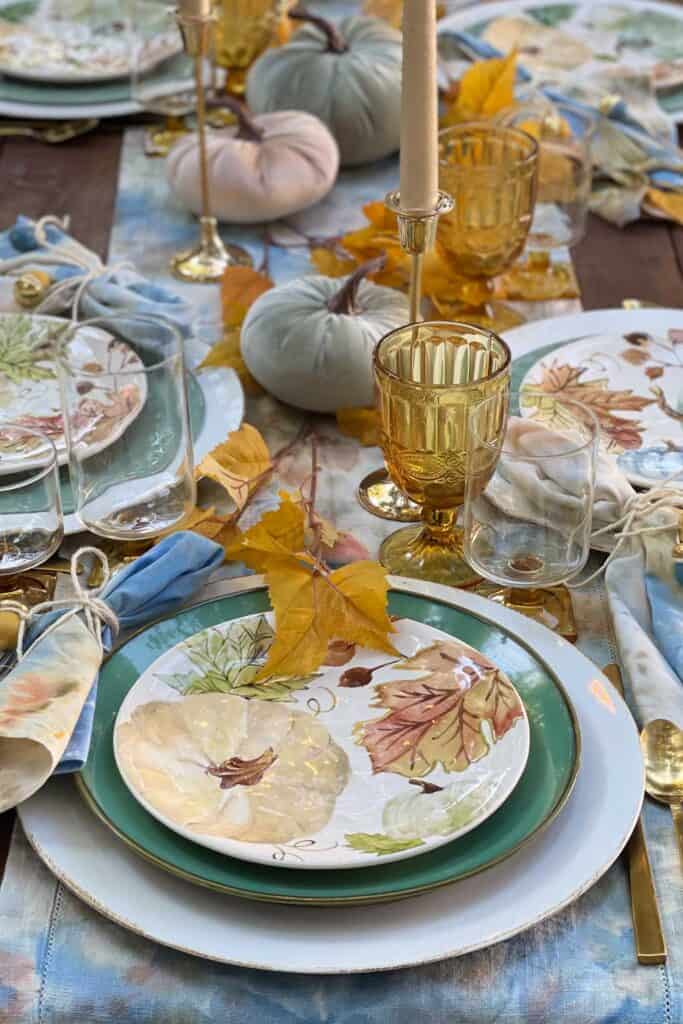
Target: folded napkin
{"x": 527, "y": 490}
{"x": 47, "y": 701}
{"x": 625, "y": 153}
{"x": 83, "y": 287}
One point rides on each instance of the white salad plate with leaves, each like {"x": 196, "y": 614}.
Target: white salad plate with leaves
{"x": 372, "y": 755}
{"x": 625, "y": 365}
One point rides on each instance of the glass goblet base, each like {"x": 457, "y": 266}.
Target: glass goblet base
{"x": 551, "y": 606}
{"x": 379, "y": 496}
{"x": 415, "y": 551}
{"x": 160, "y": 137}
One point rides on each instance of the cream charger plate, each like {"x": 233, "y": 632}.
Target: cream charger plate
{"x": 373, "y": 757}
{"x": 546, "y": 875}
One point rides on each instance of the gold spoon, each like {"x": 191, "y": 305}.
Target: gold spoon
{"x": 662, "y": 745}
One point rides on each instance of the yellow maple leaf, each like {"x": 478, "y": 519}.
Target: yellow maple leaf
{"x": 363, "y": 424}
{"x": 239, "y": 464}
{"x": 486, "y": 88}
{"x": 330, "y": 262}
{"x": 669, "y": 203}
{"x": 278, "y": 535}
{"x": 240, "y": 287}
{"x": 227, "y": 352}
{"x": 208, "y": 523}
{"x": 313, "y": 608}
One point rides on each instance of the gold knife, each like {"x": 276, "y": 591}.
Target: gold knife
{"x": 647, "y": 925}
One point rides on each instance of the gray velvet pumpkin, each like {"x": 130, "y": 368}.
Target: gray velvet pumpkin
{"x": 349, "y": 76}
{"x": 310, "y": 341}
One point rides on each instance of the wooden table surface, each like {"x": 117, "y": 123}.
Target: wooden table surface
{"x": 78, "y": 178}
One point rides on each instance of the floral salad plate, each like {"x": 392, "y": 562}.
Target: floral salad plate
{"x": 630, "y": 373}
{"x": 371, "y": 757}
{"x": 29, "y": 386}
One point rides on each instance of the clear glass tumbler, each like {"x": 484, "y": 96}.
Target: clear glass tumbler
{"x": 529, "y": 503}
{"x": 31, "y": 527}
{"x": 126, "y": 423}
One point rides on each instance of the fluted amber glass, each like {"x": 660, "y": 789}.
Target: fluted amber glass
{"x": 244, "y": 29}
{"x": 491, "y": 173}
{"x": 429, "y": 377}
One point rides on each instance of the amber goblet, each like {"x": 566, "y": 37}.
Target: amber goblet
{"x": 244, "y": 29}
{"x": 429, "y": 377}
{"x": 491, "y": 173}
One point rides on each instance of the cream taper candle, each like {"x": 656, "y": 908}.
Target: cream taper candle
{"x": 419, "y": 115}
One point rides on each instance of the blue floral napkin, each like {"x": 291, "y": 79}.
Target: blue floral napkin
{"x": 47, "y": 701}
{"x": 83, "y": 286}
{"x": 655, "y": 162}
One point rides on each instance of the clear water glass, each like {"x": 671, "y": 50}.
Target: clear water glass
{"x": 126, "y": 423}
{"x": 162, "y": 75}
{"x": 31, "y": 526}
{"x": 529, "y": 492}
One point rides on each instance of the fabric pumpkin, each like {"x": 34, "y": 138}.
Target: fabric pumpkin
{"x": 310, "y": 341}
{"x": 260, "y": 169}
{"x": 350, "y": 78}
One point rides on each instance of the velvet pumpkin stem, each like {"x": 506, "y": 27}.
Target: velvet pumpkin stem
{"x": 345, "y": 299}
{"x": 246, "y": 126}
{"x": 335, "y": 43}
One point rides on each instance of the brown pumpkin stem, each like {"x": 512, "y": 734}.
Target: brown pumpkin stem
{"x": 246, "y": 126}
{"x": 427, "y": 787}
{"x": 335, "y": 43}
{"x": 344, "y": 302}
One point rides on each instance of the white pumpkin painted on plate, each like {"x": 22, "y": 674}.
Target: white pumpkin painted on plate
{"x": 310, "y": 341}
{"x": 349, "y": 76}
{"x": 262, "y": 168}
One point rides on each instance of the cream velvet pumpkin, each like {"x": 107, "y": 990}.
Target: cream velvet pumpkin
{"x": 260, "y": 169}
{"x": 349, "y": 77}
{"x": 305, "y": 352}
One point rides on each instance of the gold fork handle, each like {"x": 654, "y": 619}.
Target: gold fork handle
{"x": 647, "y": 926}
{"x": 677, "y": 815}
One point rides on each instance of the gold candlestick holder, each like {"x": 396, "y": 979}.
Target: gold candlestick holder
{"x": 417, "y": 234}
{"x": 206, "y": 261}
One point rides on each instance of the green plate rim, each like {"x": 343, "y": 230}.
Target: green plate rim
{"x": 252, "y": 583}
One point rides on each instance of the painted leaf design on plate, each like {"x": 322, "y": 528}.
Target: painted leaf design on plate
{"x": 238, "y": 771}
{"x": 376, "y": 842}
{"x": 450, "y": 715}
{"x": 229, "y": 661}
{"x": 561, "y": 380}
{"x": 24, "y": 346}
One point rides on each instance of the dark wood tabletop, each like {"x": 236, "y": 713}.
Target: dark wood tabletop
{"x": 78, "y": 178}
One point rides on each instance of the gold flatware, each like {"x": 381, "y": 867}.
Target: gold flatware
{"x": 640, "y": 304}
{"x": 52, "y": 132}
{"x": 27, "y": 589}
{"x": 647, "y": 925}
{"x": 662, "y": 745}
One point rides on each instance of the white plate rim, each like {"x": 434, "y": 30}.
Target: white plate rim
{"x": 620, "y": 792}
{"x": 475, "y": 13}
{"x": 215, "y": 382}
{"x": 261, "y": 853}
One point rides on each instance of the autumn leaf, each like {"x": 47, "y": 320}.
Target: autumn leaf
{"x": 208, "y": 523}
{"x": 635, "y": 356}
{"x": 438, "y": 717}
{"x": 377, "y": 842}
{"x": 239, "y": 464}
{"x": 670, "y": 204}
{"x": 228, "y": 353}
{"x": 653, "y": 372}
{"x": 313, "y": 607}
{"x": 486, "y": 88}
{"x": 278, "y": 535}
{"x": 240, "y": 287}
{"x": 330, "y": 262}
{"x": 362, "y": 424}
{"x": 237, "y": 771}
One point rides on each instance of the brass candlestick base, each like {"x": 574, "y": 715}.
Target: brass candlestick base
{"x": 551, "y": 606}
{"x": 208, "y": 260}
{"x": 417, "y": 234}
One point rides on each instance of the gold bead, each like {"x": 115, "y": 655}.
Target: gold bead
{"x": 30, "y": 288}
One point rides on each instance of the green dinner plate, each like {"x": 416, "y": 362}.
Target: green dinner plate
{"x": 542, "y": 791}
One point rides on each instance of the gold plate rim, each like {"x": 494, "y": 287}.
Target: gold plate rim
{"x": 252, "y": 583}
